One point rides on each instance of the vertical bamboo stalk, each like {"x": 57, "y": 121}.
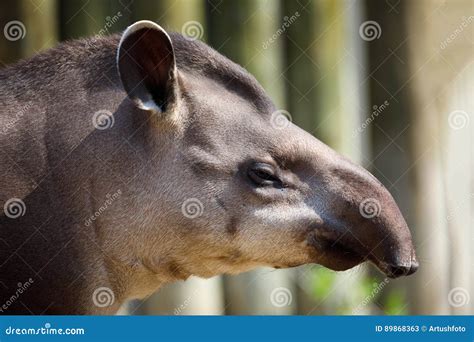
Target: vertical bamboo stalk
{"x": 349, "y": 108}
{"x": 430, "y": 284}
{"x": 301, "y": 70}
{"x": 247, "y": 32}
{"x": 324, "y": 72}
{"x": 302, "y": 73}
{"x": 459, "y": 177}
{"x": 10, "y": 48}
{"x": 172, "y": 15}
{"x": 28, "y": 27}
{"x": 80, "y": 18}
{"x": 441, "y": 85}
{"x": 392, "y": 119}
{"x": 40, "y": 17}
{"x": 84, "y": 18}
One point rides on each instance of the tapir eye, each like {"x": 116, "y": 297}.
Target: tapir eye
{"x": 263, "y": 174}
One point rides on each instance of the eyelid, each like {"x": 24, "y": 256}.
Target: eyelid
{"x": 268, "y": 174}
{"x": 264, "y": 166}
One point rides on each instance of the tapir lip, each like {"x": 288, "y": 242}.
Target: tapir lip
{"x": 333, "y": 253}
{"x": 339, "y": 254}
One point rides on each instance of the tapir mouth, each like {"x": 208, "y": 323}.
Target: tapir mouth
{"x": 334, "y": 253}
{"x": 339, "y": 254}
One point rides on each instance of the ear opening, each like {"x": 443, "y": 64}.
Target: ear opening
{"x": 147, "y": 67}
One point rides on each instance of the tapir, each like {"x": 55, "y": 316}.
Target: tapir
{"x": 134, "y": 160}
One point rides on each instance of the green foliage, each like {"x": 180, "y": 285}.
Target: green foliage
{"x": 368, "y": 295}
{"x": 323, "y": 280}
{"x": 396, "y": 303}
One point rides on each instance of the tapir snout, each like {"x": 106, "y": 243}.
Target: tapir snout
{"x": 362, "y": 221}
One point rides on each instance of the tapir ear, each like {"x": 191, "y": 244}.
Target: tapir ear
{"x": 147, "y": 66}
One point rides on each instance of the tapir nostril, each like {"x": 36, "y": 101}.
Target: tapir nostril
{"x": 413, "y": 268}
{"x": 398, "y": 271}
{"x": 395, "y": 271}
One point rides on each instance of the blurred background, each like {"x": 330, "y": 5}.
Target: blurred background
{"x": 388, "y": 83}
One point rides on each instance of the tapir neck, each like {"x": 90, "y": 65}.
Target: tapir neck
{"x": 75, "y": 179}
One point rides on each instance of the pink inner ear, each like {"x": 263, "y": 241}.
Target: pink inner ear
{"x": 146, "y": 64}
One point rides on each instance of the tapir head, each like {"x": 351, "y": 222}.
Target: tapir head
{"x": 236, "y": 184}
